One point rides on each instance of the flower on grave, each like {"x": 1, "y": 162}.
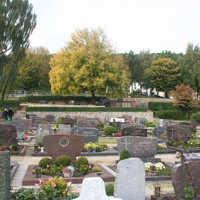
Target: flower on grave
{"x": 147, "y": 166}
{"x": 53, "y": 184}
{"x": 118, "y": 134}
{"x": 65, "y": 170}
{"x": 1, "y": 148}
{"x": 55, "y": 127}
{"x": 25, "y": 136}
{"x": 159, "y": 166}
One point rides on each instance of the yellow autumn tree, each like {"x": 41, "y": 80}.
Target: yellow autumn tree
{"x": 89, "y": 65}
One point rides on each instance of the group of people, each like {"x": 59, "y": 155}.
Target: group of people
{"x": 8, "y": 114}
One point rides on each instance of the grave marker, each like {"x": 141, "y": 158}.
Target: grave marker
{"x": 130, "y": 181}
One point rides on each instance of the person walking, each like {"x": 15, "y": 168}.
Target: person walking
{"x": 5, "y": 114}
{"x": 10, "y": 114}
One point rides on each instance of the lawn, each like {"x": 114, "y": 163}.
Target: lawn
{"x": 104, "y": 140}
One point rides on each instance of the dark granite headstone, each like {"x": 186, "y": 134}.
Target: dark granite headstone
{"x": 4, "y": 175}
{"x": 186, "y": 175}
{"x": 90, "y": 134}
{"x": 158, "y": 130}
{"x": 68, "y": 120}
{"x": 8, "y": 134}
{"x": 179, "y": 132}
{"x": 131, "y": 130}
{"x": 140, "y": 121}
{"x": 90, "y": 123}
{"x": 18, "y": 124}
{"x": 50, "y": 118}
{"x": 57, "y": 145}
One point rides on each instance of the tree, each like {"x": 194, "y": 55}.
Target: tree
{"x": 88, "y": 64}
{"x": 191, "y": 67}
{"x": 184, "y": 97}
{"x": 33, "y": 70}
{"x": 164, "y": 75}
{"x": 16, "y": 24}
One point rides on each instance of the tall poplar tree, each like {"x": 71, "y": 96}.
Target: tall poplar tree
{"x": 17, "y": 22}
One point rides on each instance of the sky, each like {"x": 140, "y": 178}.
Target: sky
{"x": 137, "y": 25}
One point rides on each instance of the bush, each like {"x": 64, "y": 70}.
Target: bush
{"x": 156, "y": 106}
{"x": 171, "y": 114}
{"x": 196, "y": 117}
{"x": 109, "y": 130}
{"x": 110, "y": 189}
{"x": 14, "y": 104}
{"x": 150, "y": 124}
{"x": 45, "y": 161}
{"x": 96, "y": 169}
{"x": 63, "y": 160}
{"x": 100, "y": 126}
{"x": 24, "y": 194}
{"x": 82, "y": 165}
{"x": 124, "y": 154}
{"x": 85, "y": 109}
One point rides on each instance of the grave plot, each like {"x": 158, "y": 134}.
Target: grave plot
{"x": 58, "y": 146}
{"x": 9, "y": 141}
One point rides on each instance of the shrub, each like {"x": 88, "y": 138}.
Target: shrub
{"x": 96, "y": 169}
{"x": 171, "y": 114}
{"x": 55, "y": 187}
{"x": 100, "y": 126}
{"x": 82, "y": 165}
{"x": 109, "y": 130}
{"x": 156, "y": 106}
{"x": 124, "y": 154}
{"x": 85, "y": 109}
{"x": 63, "y": 160}
{"x": 110, "y": 189}
{"x": 24, "y": 194}
{"x": 196, "y": 117}
{"x": 45, "y": 161}
{"x": 150, "y": 124}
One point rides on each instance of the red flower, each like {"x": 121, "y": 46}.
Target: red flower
{"x": 118, "y": 134}
{"x": 1, "y": 148}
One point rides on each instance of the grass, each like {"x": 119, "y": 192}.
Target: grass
{"x": 103, "y": 140}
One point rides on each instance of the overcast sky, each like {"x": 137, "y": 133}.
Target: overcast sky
{"x": 136, "y": 25}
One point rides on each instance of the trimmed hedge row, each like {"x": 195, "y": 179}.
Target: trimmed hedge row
{"x": 36, "y": 99}
{"x": 84, "y": 109}
{"x": 14, "y": 104}
{"x": 171, "y": 114}
{"x": 156, "y": 106}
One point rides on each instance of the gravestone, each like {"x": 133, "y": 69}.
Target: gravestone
{"x": 130, "y": 180}
{"x": 38, "y": 120}
{"x": 57, "y": 145}
{"x": 140, "y": 121}
{"x": 157, "y": 131}
{"x": 8, "y": 134}
{"x": 186, "y": 175}
{"x": 4, "y": 175}
{"x": 43, "y": 130}
{"x": 93, "y": 188}
{"x": 89, "y": 123}
{"x": 68, "y": 120}
{"x": 132, "y": 130}
{"x": 64, "y": 129}
{"x": 50, "y": 118}
{"x": 90, "y": 134}
{"x": 142, "y": 147}
{"x": 179, "y": 132}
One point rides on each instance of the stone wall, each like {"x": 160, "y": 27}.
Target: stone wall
{"x": 100, "y": 115}
{"x": 4, "y": 175}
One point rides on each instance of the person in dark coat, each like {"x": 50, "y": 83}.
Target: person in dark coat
{"x": 5, "y": 114}
{"x": 10, "y": 114}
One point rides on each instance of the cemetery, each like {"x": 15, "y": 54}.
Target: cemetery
{"x": 67, "y": 150}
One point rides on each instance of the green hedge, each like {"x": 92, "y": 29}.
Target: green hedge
{"x": 14, "y": 104}
{"x": 156, "y": 106}
{"x": 36, "y": 99}
{"x": 84, "y": 109}
{"x": 171, "y": 114}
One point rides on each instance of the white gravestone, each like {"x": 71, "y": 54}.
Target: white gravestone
{"x": 42, "y": 131}
{"x": 93, "y": 188}
{"x": 64, "y": 129}
{"x": 130, "y": 181}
